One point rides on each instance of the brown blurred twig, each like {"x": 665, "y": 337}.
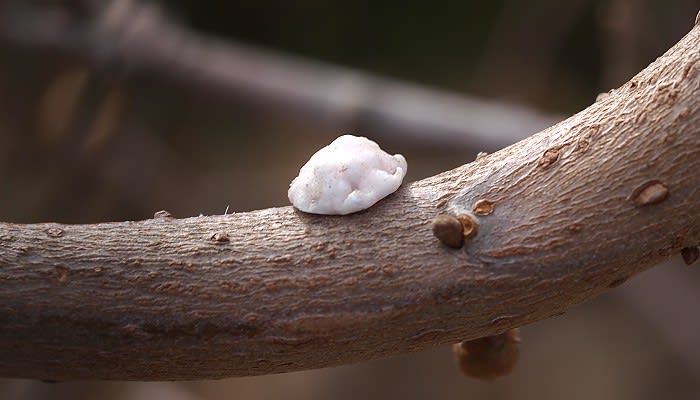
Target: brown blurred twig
{"x": 513, "y": 40}
{"x": 135, "y": 40}
{"x": 670, "y": 310}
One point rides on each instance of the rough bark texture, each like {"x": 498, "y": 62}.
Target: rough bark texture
{"x": 577, "y": 208}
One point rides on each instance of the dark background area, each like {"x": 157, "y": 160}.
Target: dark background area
{"x": 82, "y": 145}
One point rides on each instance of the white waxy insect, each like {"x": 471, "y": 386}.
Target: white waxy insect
{"x": 349, "y": 175}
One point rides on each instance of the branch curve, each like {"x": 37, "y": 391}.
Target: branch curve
{"x": 563, "y": 216}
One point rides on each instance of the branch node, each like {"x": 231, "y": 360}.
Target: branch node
{"x": 448, "y": 230}
{"x": 549, "y": 157}
{"x": 690, "y": 254}
{"x": 219, "y": 237}
{"x": 483, "y": 207}
{"x": 54, "y": 232}
{"x": 469, "y": 225}
{"x": 617, "y": 282}
{"x": 162, "y": 214}
{"x": 489, "y": 357}
{"x": 651, "y": 192}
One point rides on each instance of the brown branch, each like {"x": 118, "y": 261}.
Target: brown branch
{"x": 134, "y": 40}
{"x": 578, "y": 208}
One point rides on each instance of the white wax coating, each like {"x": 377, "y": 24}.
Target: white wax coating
{"x": 349, "y": 175}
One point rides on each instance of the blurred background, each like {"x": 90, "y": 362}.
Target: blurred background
{"x": 112, "y": 110}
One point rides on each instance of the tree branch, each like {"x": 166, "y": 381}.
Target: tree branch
{"x": 579, "y": 208}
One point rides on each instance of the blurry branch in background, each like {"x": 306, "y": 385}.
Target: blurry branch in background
{"x": 562, "y": 216}
{"x": 674, "y": 290}
{"x": 512, "y": 37}
{"x": 135, "y": 40}
{"x": 623, "y": 22}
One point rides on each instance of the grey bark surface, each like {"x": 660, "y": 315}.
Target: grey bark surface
{"x": 577, "y": 208}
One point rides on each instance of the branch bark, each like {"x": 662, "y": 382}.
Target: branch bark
{"x": 578, "y": 208}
